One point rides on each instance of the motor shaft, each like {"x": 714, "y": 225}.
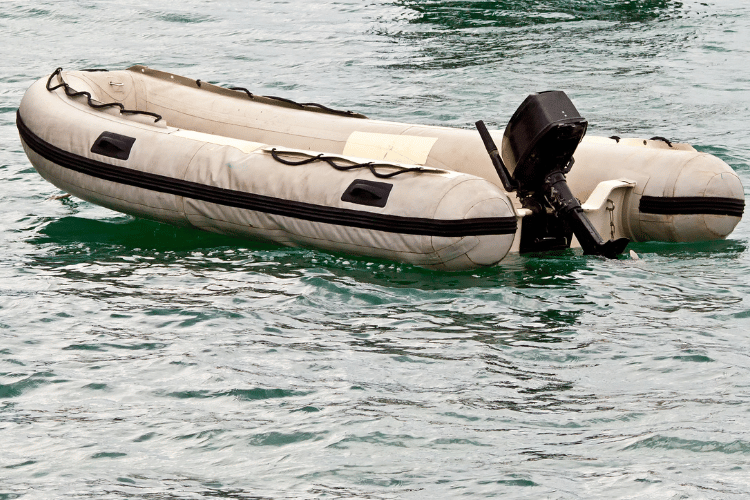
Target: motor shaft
{"x": 560, "y": 197}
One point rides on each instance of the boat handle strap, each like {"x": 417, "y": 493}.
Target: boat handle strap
{"x": 70, "y": 92}
{"x": 372, "y": 166}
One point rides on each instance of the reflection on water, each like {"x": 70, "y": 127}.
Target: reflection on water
{"x": 727, "y": 249}
{"x": 462, "y": 14}
{"x": 75, "y": 238}
{"x": 379, "y": 306}
{"x": 131, "y": 234}
{"x": 461, "y": 34}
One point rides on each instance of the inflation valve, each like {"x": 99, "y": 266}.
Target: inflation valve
{"x": 538, "y": 146}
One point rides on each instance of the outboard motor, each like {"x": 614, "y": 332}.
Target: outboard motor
{"x": 538, "y": 146}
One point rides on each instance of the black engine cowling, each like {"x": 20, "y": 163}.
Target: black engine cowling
{"x": 537, "y": 152}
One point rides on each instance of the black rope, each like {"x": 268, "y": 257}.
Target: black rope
{"x": 243, "y": 89}
{"x": 284, "y": 99}
{"x": 74, "y": 93}
{"x": 302, "y": 105}
{"x": 659, "y": 138}
{"x": 326, "y": 108}
{"x": 330, "y": 160}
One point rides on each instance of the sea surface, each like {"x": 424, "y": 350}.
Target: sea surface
{"x": 142, "y": 361}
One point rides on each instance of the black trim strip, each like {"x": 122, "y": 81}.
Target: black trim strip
{"x": 265, "y": 204}
{"x": 692, "y": 205}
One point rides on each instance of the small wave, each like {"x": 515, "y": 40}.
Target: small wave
{"x": 254, "y": 394}
{"x": 108, "y": 454}
{"x": 281, "y": 439}
{"x": 694, "y": 445}
{"x": 15, "y": 389}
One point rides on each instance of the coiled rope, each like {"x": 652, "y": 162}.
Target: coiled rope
{"x": 372, "y": 166}
{"x": 302, "y": 105}
{"x": 70, "y": 92}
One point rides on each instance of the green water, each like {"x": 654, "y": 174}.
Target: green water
{"x": 139, "y": 360}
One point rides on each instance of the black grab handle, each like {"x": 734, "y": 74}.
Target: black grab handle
{"x": 113, "y": 145}
{"x": 369, "y": 193}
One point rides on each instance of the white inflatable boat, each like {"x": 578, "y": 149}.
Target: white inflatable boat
{"x": 189, "y": 153}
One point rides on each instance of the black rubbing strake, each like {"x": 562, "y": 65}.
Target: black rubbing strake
{"x": 265, "y": 204}
{"x": 692, "y": 205}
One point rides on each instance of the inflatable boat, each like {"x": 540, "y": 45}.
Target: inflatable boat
{"x": 186, "y": 152}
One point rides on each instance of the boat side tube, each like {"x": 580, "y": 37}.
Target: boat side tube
{"x": 676, "y": 194}
{"x": 429, "y": 217}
